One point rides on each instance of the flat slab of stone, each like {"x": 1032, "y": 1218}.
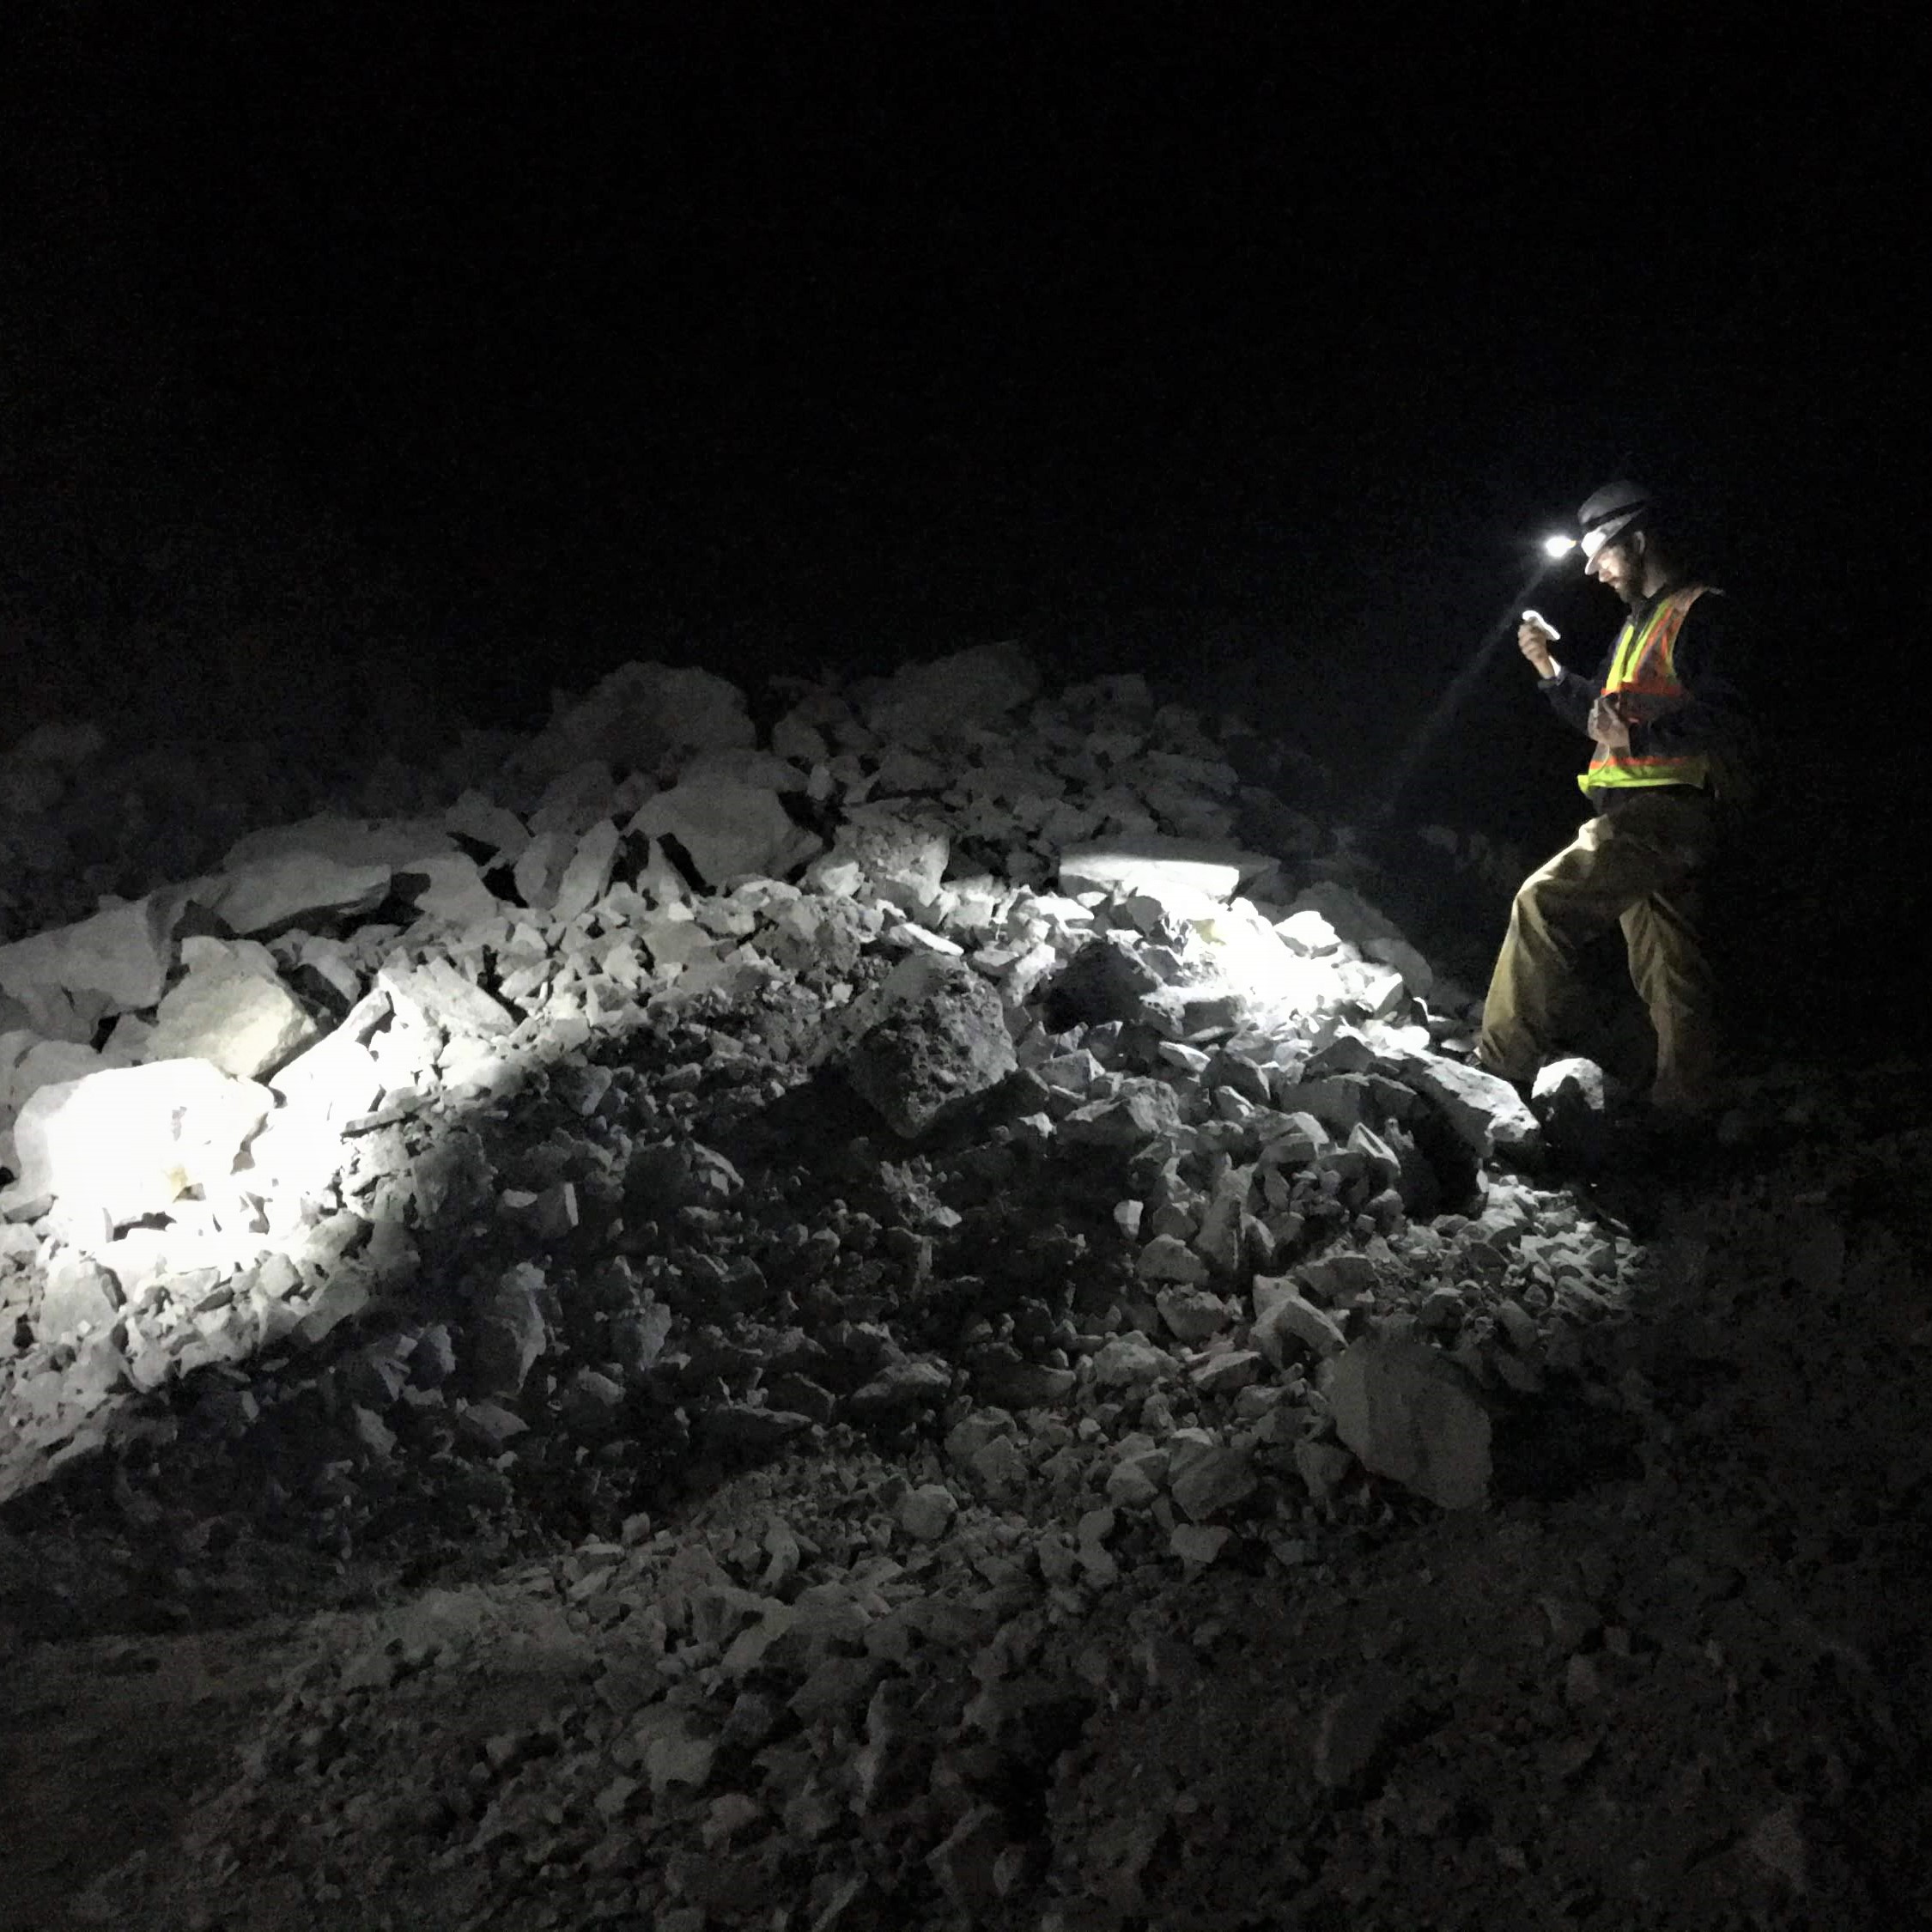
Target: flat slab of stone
{"x": 291, "y": 889}
{"x": 1181, "y": 873}
{"x": 1412, "y": 1415}
{"x": 393, "y": 842}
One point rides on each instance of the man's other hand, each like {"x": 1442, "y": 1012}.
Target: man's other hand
{"x": 1534, "y": 641}
{"x": 1607, "y": 728}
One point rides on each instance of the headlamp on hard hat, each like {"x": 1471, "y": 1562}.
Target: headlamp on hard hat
{"x": 1604, "y": 517}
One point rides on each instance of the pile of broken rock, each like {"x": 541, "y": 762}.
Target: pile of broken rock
{"x": 939, "y": 1081}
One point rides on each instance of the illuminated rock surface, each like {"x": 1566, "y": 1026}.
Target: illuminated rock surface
{"x": 132, "y": 1140}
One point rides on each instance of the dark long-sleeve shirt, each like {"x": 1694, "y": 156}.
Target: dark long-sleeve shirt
{"x": 1712, "y": 718}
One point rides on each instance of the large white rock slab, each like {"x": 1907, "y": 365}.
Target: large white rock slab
{"x": 122, "y": 955}
{"x": 728, "y": 831}
{"x": 350, "y": 842}
{"x": 1187, "y": 876}
{"x": 587, "y": 872}
{"x": 448, "y": 887}
{"x": 270, "y": 894}
{"x": 128, "y": 1141}
{"x": 28, "y": 1063}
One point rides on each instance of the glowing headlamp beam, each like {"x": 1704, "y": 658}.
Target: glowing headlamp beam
{"x": 1554, "y": 547}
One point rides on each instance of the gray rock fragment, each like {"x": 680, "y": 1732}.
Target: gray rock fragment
{"x": 1130, "y": 1359}
{"x": 1414, "y": 1416}
{"x": 510, "y": 1334}
{"x": 727, "y": 829}
{"x": 931, "y": 1036}
{"x": 925, "y": 1512}
{"x": 1486, "y": 1113}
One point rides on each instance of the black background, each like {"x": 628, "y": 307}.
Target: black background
{"x": 357, "y": 370}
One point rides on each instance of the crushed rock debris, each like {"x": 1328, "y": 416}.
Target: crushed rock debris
{"x": 807, "y": 1334}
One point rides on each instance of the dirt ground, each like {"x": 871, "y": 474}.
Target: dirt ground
{"x": 1675, "y": 1676}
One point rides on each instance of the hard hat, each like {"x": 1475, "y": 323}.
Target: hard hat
{"x": 1606, "y": 514}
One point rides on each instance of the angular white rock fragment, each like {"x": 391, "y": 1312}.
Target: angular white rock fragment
{"x": 448, "y": 887}
{"x": 588, "y": 871}
{"x": 128, "y": 1141}
{"x": 442, "y": 996}
{"x": 227, "y": 1013}
{"x": 337, "y": 1079}
{"x": 474, "y": 816}
{"x": 1412, "y": 1414}
{"x": 79, "y": 1292}
{"x": 728, "y": 831}
{"x": 28, "y": 1063}
{"x": 1284, "y": 1315}
{"x": 540, "y": 869}
{"x": 1308, "y": 932}
{"x": 123, "y": 955}
{"x": 1485, "y": 1111}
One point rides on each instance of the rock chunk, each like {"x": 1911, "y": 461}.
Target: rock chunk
{"x": 950, "y": 695}
{"x": 1412, "y": 1415}
{"x": 130, "y": 1140}
{"x": 1486, "y": 1112}
{"x": 932, "y": 1035}
{"x": 644, "y": 717}
{"x": 727, "y": 829}
{"x": 121, "y": 956}
{"x": 230, "y": 1014}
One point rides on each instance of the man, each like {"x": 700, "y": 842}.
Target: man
{"x": 1665, "y": 725}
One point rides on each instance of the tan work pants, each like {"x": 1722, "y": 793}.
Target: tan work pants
{"x": 1639, "y": 865}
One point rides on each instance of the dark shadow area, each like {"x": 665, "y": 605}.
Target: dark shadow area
{"x": 1562, "y": 1442}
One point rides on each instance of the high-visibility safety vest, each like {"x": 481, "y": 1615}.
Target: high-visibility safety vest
{"x": 1644, "y": 682}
